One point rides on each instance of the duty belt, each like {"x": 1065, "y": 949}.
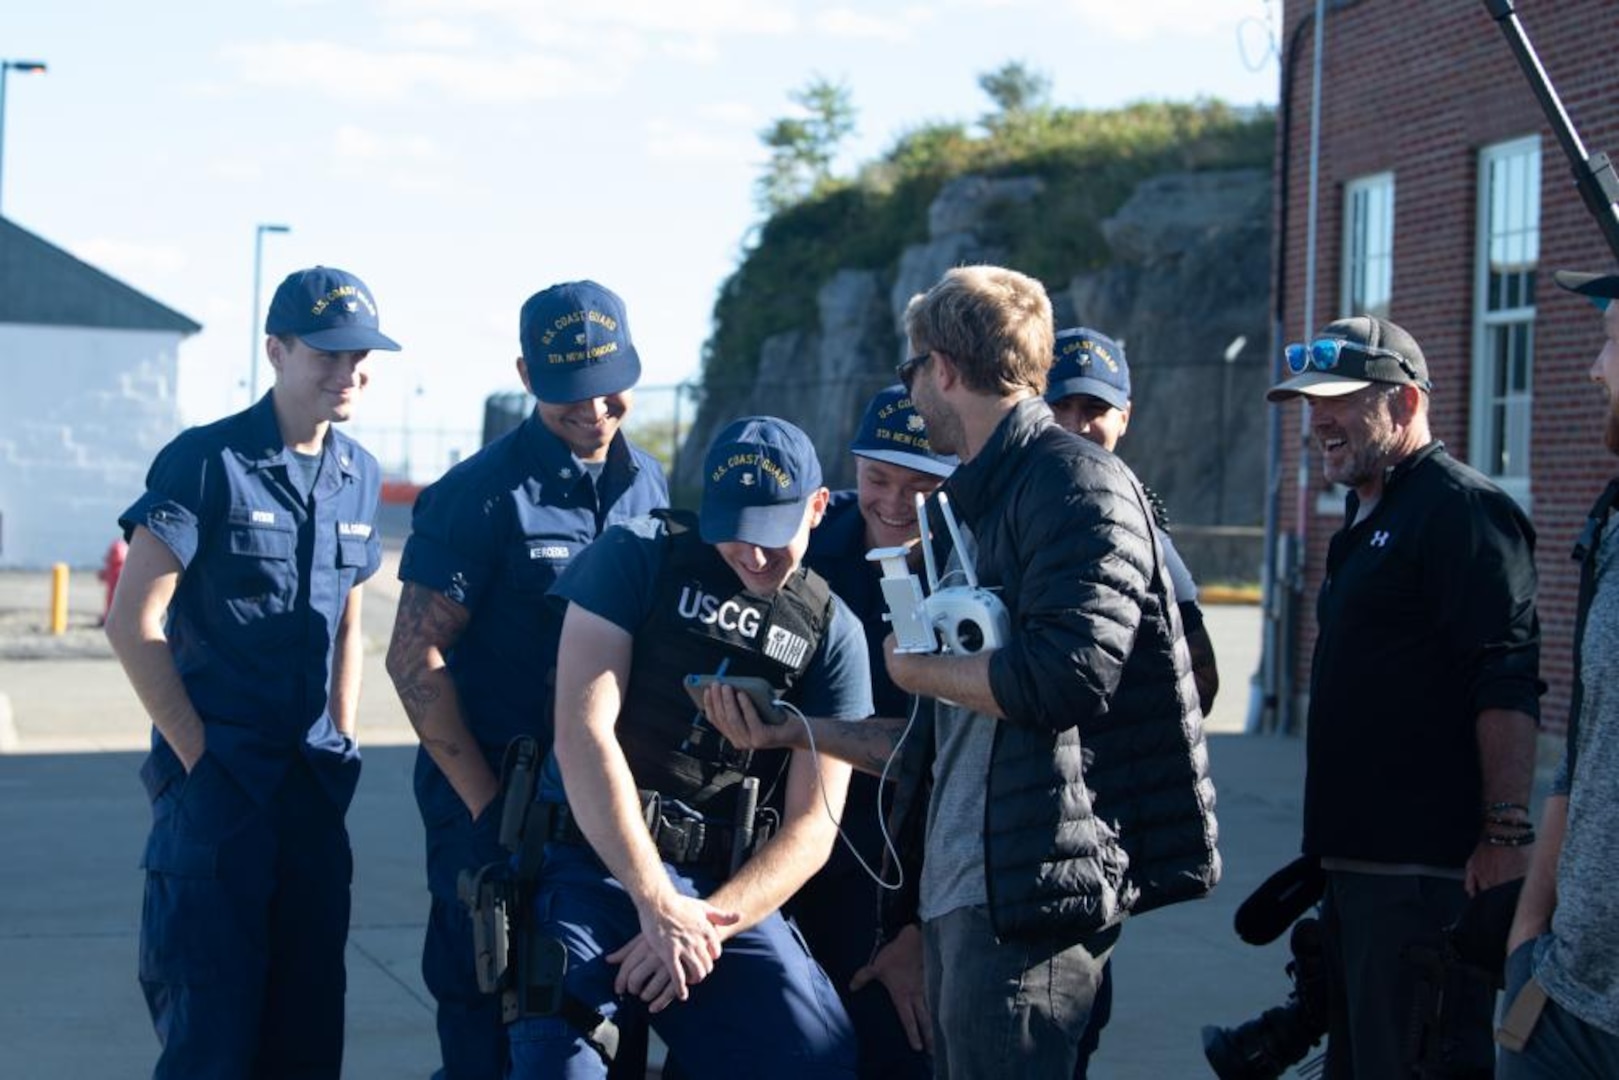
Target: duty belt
{"x": 681, "y": 839}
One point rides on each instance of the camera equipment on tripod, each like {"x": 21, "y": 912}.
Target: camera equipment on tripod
{"x": 967, "y": 618}
{"x": 1268, "y": 1045}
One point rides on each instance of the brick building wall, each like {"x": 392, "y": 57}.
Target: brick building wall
{"x": 1417, "y": 88}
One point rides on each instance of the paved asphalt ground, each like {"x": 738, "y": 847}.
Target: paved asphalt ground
{"x": 73, "y": 820}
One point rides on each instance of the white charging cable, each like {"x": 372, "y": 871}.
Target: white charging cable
{"x": 882, "y": 785}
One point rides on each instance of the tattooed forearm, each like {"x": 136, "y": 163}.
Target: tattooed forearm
{"x": 866, "y": 744}
{"x": 418, "y": 697}
{"x": 446, "y": 746}
{"x": 427, "y": 625}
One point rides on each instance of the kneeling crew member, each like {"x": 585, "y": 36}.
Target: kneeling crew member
{"x": 640, "y": 881}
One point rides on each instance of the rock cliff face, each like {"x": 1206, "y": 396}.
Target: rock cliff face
{"x": 1186, "y": 290}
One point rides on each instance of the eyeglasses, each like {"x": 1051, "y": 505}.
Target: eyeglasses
{"x": 1323, "y": 353}
{"x": 907, "y": 371}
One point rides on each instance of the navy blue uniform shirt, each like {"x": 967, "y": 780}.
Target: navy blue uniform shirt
{"x": 493, "y": 535}
{"x": 265, "y": 577}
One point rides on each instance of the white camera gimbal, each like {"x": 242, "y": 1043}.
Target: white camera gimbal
{"x": 969, "y": 619}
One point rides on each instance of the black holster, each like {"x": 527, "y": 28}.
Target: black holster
{"x": 510, "y": 959}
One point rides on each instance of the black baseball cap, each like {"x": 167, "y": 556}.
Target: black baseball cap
{"x": 1598, "y": 288}
{"x": 1352, "y": 354}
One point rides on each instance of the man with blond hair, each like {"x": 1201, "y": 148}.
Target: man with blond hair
{"x": 1069, "y": 773}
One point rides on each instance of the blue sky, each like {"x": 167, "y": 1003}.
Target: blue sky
{"x": 461, "y": 154}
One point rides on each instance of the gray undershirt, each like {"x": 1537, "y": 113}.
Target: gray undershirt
{"x": 304, "y": 471}
{"x": 1578, "y": 962}
{"x": 953, "y": 859}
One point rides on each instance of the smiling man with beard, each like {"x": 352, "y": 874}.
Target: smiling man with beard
{"x": 1424, "y": 689}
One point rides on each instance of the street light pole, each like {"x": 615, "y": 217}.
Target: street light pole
{"x": 27, "y": 67}
{"x": 258, "y": 267}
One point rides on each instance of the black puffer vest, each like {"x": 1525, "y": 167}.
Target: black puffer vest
{"x": 701, "y": 616}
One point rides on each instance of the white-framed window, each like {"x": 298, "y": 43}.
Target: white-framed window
{"x": 1506, "y": 259}
{"x": 1368, "y": 262}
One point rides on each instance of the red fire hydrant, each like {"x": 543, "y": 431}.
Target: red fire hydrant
{"x": 111, "y": 566}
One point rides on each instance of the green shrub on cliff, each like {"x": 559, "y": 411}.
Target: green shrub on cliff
{"x": 1090, "y": 159}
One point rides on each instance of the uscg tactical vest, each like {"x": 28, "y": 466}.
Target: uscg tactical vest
{"x": 701, "y": 616}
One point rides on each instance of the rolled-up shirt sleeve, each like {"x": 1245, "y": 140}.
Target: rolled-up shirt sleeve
{"x": 452, "y": 542}
{"x": 171, "y": 507}
{"x": 1484, "y": 596}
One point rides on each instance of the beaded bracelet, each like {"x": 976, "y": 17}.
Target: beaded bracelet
{"x": 1497, "y": 806}
{"x": 1509, "y": 823}
{"x": 1523, "y": 839}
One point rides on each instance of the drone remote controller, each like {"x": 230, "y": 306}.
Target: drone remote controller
{"x": 967, "y": 618}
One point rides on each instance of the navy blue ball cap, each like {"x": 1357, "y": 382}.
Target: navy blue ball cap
{"x": 1091, "y": 363}
{"x": 758, "y": 477}
{"x": 893, "y": 431}
{"x": 576, "y": 343}
{"x": 327, "y": 309}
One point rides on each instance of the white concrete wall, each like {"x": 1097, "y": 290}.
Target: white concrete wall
{"x": 82, "y": 413}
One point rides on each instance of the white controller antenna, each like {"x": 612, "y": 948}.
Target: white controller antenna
{"x": 926, "y": 535}
{"x": 962, "y": 556}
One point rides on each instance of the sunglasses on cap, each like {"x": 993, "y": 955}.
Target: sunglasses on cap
{"x": 1323, "y": 354}
{"x": 906, "y": 372}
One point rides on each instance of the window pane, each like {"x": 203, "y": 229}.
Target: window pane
{"x": 1368, "y": 244}
{"x": 1509, "y": 248}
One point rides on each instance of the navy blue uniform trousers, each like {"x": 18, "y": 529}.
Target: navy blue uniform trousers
{"x": 766, "y": 1010}
{"x": 243, "y": 927}
{"x": 472, "y": 1035}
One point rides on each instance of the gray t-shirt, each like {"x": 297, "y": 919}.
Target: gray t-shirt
{"x": 1578, "y": 962}
{"x": 953, "y": 859}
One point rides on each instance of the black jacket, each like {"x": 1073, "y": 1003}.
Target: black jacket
{"x": 1427, "y": 619}
{"x": 1099, "y": 802}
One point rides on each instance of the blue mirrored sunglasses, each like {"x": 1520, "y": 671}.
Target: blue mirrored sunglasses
{"x": 1323, "y": 353}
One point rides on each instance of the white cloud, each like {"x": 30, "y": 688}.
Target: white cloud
{"x": 433, "y": 34}
{"x": 692, "y": 30}
{"x": 552, "y": 50}
{"x": 553, "y": 19}
{"x": 354, "y": 74}
{"x": 239, "y": 170}
{"x": 1141, "y": 21}
{"x": 730, "y": 112}
{"x": 670, "y": 141}
{"x": 846, "y": 22}
{"x": 127, "y": 260}
{"x": 699, "y": 51}
{"x": 406, "y": 163}
{"x": 363, "y": 147}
